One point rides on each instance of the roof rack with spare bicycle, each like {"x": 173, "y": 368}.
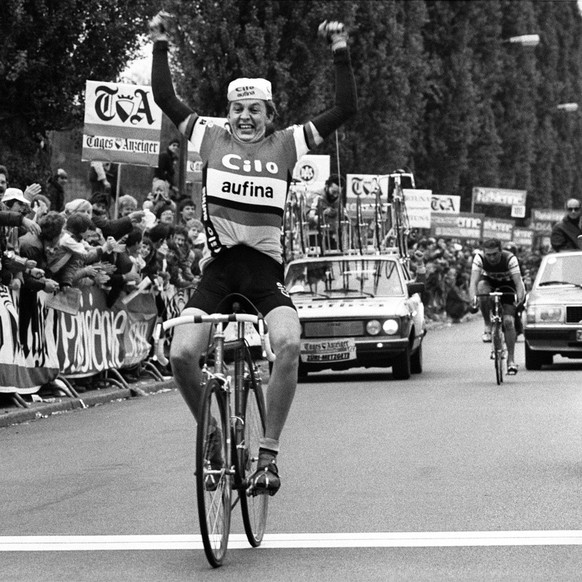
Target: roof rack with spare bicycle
{"x": 386, "y": 233}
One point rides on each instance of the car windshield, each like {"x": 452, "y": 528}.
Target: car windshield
{"x": 350, "y": 278}
{"x": 561, "y": 270}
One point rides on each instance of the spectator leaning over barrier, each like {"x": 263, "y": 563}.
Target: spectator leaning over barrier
{"x": 40, "y": 205}
{"x": 565, "y": 234}
{"x": 124, "y": 277}
{"x": 30, "y": 191}
{"x": 134, "y": 245}
{"x": 38, "y": 248}
{"x": 11, "y": 218}
{"x": 73, "y": 257}
{"x": 117, "y": 227}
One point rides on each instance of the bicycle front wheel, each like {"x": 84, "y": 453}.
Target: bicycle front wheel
{"x": 498, "y": 352}
{"x": 254, "y": 508}
{"x": 213, "y": 474}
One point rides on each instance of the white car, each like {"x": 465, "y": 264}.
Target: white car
{"x": 357, "y": 310}
{"x": 553, "y": 311}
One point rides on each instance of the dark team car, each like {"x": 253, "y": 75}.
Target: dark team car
{"x": 553, "y": 311}
{"x": 357, "y": 311}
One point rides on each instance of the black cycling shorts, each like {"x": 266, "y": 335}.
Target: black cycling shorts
{"x": 488, "y": 285}
{"x": 244, "y": 270}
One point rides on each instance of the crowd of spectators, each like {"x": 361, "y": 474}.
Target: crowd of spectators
{"x": 50, "y": 245}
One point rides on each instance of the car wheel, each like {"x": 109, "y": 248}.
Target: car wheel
{"x": 416, "y": 361}
{"x": 401, "y": 365}
{"x": 534, "y": 360}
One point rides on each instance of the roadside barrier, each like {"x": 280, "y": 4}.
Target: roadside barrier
{"x": 75, "y": 335}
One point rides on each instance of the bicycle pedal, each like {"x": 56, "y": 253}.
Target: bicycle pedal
{"x": 253, "y": 492}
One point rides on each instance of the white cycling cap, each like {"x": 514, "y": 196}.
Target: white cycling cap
{"x": 244, "y": 88}
{"x": 14, "y": 194}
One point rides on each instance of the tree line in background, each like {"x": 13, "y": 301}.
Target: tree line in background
{"x": 441, "y": 91}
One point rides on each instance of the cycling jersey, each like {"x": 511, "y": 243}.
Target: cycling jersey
{"x": 499, "y": 273}
{"x": 245, "y": 186}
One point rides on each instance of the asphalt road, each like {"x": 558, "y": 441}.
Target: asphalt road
{"x": 446, "y": 476}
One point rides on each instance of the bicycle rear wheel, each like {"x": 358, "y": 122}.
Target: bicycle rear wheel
{"x": 498, "y": 352}
{"x": 254, "y": 508}
{"x": 213, "y": 474}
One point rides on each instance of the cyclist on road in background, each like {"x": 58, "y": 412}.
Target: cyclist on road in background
{"x": 494, "y": 269}
{"x": 247, "y": 170}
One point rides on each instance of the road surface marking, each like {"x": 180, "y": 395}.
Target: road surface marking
{"x": 290, "y": 540}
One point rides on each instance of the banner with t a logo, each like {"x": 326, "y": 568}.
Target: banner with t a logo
{"x": 122, "y": 124}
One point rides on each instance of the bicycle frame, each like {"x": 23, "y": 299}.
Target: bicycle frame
{"x": 497, "y": 331}
{"x": 229, "y": 429}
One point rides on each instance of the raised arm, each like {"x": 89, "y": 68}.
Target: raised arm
{"x": 346, "y": 100}
{"x": 162, "y": 86}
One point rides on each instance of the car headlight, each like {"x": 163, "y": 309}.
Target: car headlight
{"x": 390, "y": 327}
{"x": 373, "y": 327}
{"x": 545, "y": 314}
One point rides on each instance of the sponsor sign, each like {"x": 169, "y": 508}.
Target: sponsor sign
{"x": 518, "y": 211}
{"x": 542, "y": 220}
{"x": 463, "y": 226}
{"x": 418, "y": 207}
{"x": 312, "y": 170}
{"x": 499, "y": 196}
{"x": 365, "y": 188}
{"x": 122, "y": 124}
{"x": 498, "y": 228}
{"x": 547, "y": 215}
{"x": 523, "y": 237}
{"x": 444, "y": 203}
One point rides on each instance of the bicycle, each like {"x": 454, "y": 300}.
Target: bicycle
{"x": 232, "y": 420}
{"x": 497, "y": 334}
{"x": 294, "y": 234}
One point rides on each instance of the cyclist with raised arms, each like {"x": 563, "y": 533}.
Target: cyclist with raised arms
{"x": 247, "y": 171}
{"x": 494, "y": 269}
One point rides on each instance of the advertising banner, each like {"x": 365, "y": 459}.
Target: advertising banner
{"x": 418, "y": 207}
{"x": 463, "y": 226}
{"x": 122, "y": 124}
{"x": 542, "y": 220}
{"x": 499, "y": 196}
{"x": 445, "y": 203}
{"x": 523, "y": 237}
{"x": 365, "y": 187}
{"x": 312, "y": 171}
{"x": 28, "y": 357}
{"x": 498, "y": 228}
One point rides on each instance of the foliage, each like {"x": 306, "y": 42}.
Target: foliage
{"x": 48, "y": 51}
{"x": 441, "y": 91}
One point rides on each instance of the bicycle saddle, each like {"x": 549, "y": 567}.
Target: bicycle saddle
{"x": 237, "y": 303}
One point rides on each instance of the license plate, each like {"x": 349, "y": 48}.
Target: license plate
{"x": 328, "y": 351}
